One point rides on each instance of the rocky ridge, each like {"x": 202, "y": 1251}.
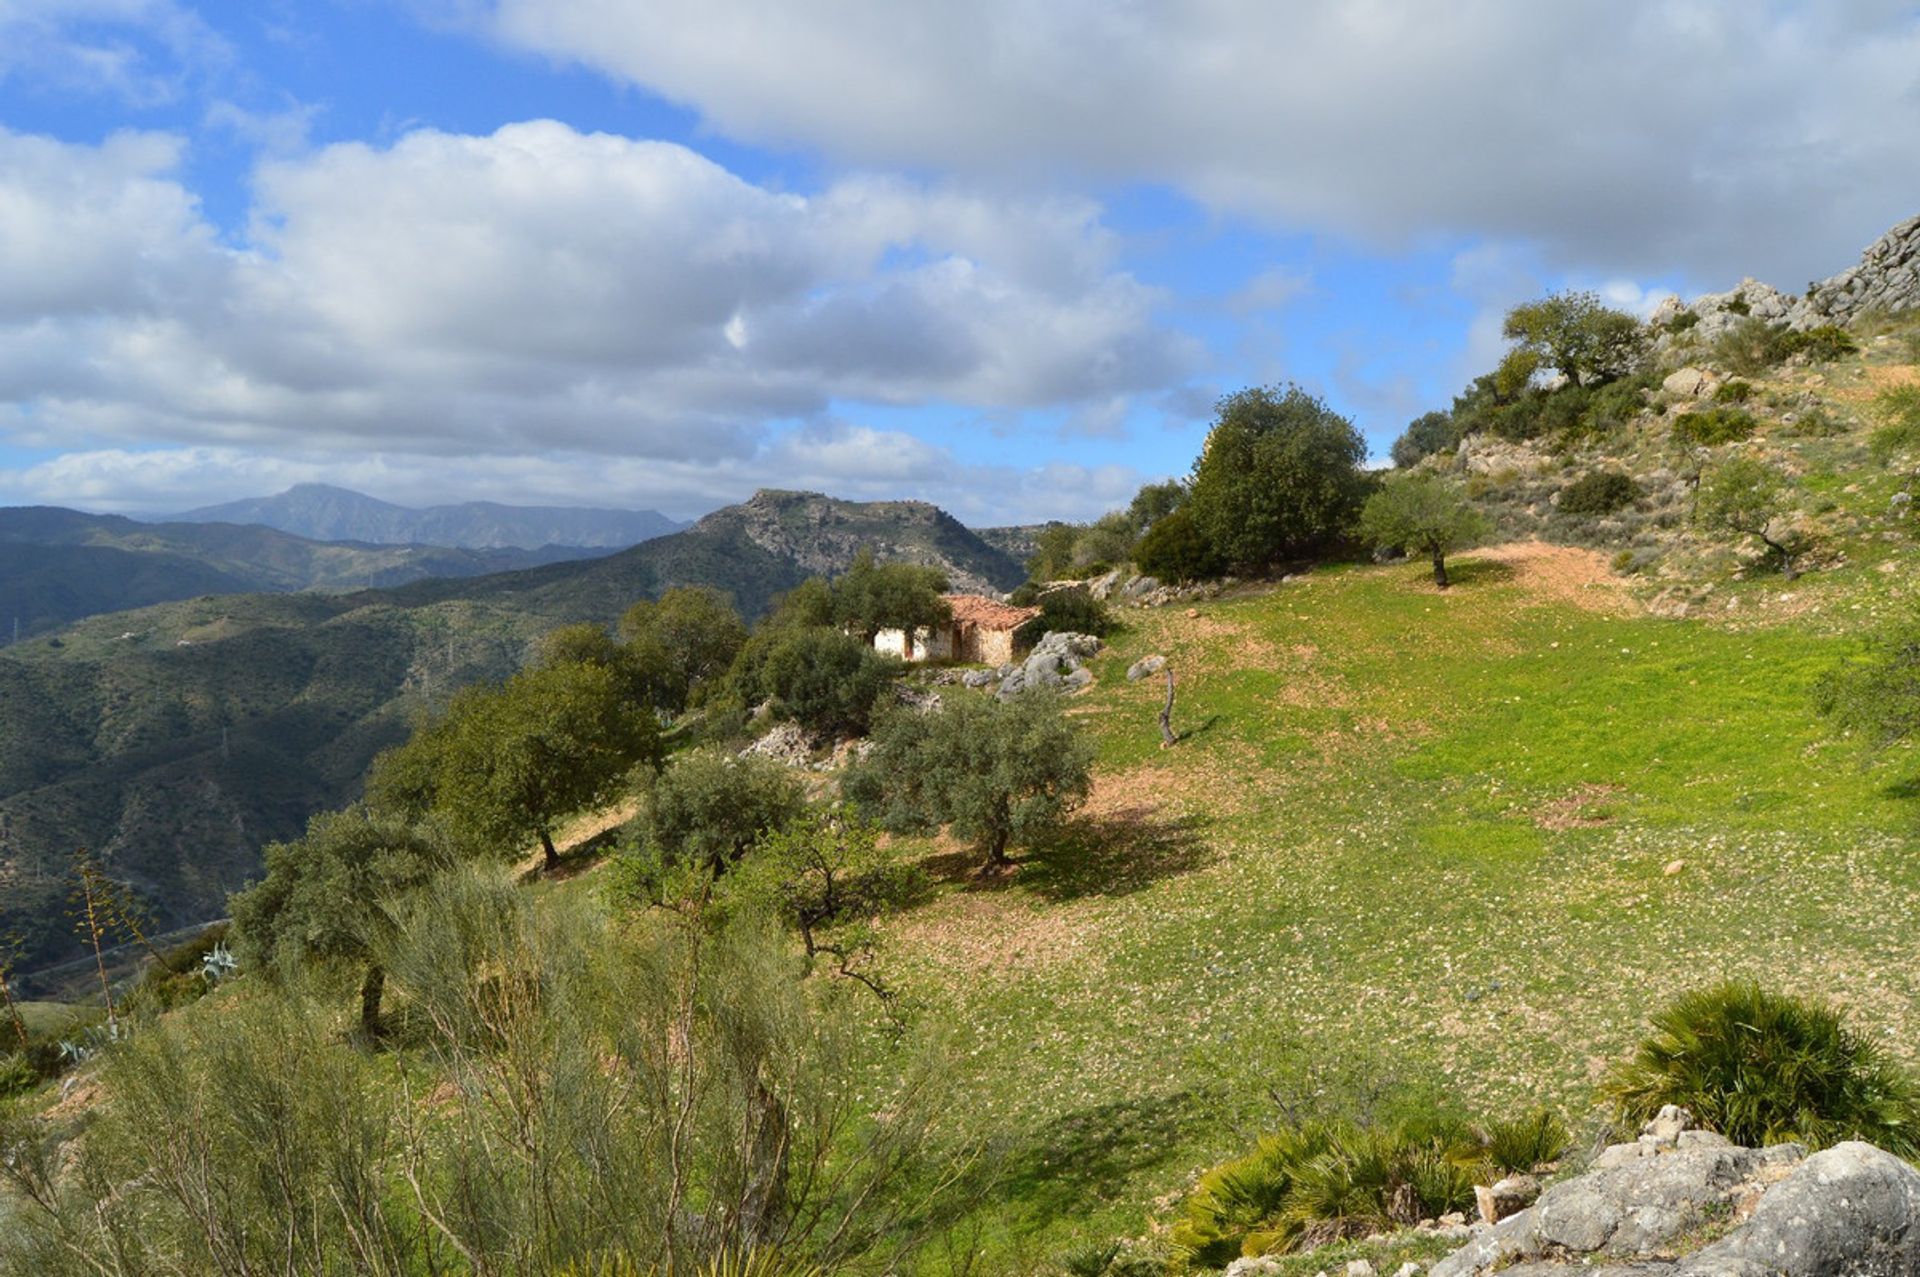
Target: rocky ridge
{"x": 1887, "y": 279}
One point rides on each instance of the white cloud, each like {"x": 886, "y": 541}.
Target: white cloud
{"x": 1647, "y": 137}
{"x": 537, "y": 291}
{"x": 143, "y": 52}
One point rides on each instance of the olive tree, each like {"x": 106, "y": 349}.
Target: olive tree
{"x": 994, "y": 772}
{"x": 1743, "y": 496}
{"x": 1422, "y": 514}
{"x": 327, "y": 895}
{"x": 1577, "y": 335}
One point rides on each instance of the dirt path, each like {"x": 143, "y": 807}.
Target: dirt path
{"x": 1563, "y": 573}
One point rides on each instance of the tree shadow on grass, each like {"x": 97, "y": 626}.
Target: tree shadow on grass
{"x": 1114, "y": 854}
{"x": 1075, "y": 1162}
{"x": 1476, "y": 572}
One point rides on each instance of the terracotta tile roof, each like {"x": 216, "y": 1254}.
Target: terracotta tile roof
{"x": 988, "y": 614}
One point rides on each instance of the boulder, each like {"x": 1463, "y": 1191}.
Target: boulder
{"x": 1506, "y": 1197}
{"x": 1141, "y": 585}
{"x": 1073, "y": 682}
{"x": 980, "y": 678}
{"x": 923, "y": 699}
{"x": 1145, "y": 667}
{"x": 1688, "y": 383}
{"x": 1851, "y": 1209}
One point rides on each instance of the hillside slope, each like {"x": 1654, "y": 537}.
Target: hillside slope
{"x": 175, "y": 740}
{"x": 322, "y": 512}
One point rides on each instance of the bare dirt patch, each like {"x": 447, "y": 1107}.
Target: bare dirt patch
{"x": 1562, "y": 573}
{"x": 1583, "y": 808}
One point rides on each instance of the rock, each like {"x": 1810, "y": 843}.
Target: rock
{"x": 1253, "y": 1266}
{"x": 1101, "y": 587}
{"x": 1665, "y": 1126}
{"x": 1141, "y": 585}
{"x": 788, "y": 743}
{"x": 923, "y": 700}
{"x": 1674, "y": 867}
{"x": 1408, "y": 1269}
{"x": 1507, "y": 1197}
{"x": 1145, "y": 667}
{"x": 1078, "y": 679}
{"x": 1688, "y": 383}
{"x": 1851, "y": 1209}
{"x": 1359, "y": 1268}
{"x": 979, "y": 678}
{"x": 1193, "y": 614}
{"x": 1064, "y": 643}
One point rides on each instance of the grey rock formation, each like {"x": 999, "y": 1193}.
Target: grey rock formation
{"x": 1057, "y": 661}
{"x": 1145, "y": 667}
{"x": 1887, "y": 278}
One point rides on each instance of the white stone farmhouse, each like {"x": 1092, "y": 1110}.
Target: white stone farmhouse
{"x": 981, "y": 633}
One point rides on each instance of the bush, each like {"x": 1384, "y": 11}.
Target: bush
{"x": 824, "y": 680}
{"x": 710, "y": 807}
{"x": 1711, "y": 426}
{"x": 1733, "y": 392}
{"x": 1822, "y": 345}
{"x": 1599, "y": 492}
{"x": 1067, "y": 611}
{"x": 1322, "y": 1181}
{"x": 1426, "y": 435}
{"x": 1898, "y": 410}
{"x": 1175, "y": 549}
{"x": 1751, "y": 346}
{"x": 1682, "y": 322}
{"x": 1761, "y": 1068}
{"x": 1521, "y": 1144}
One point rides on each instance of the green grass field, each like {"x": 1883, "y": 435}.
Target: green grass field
{"x": 1407, "y": 839}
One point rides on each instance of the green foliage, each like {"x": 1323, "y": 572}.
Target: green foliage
{"x": 826, "y": 681}
{"x": 1154, "y": 502}
{"x": 1521, "y": 1144}
{"x": 1733, "y": 392}
{"x": 1752, "y": 346}
{"x": 1573, "y": 333}
{"x": 1279, "y": 477}
{"x": 1052, "y": 557}
{"x": 1320, "y": 1181}
{"x": 1425, "y": 435}
{"x": 1878, "y": 695}
{"x": 711, "y": 808}
{"x": 996, "y": 772}
{"x": 1762, "y": 1067}
{"x": 1175, "y": 549}
{"x": 873, "y": 596}
{"x": 1422, "y": 513}
{"x": 689, "y": 637}
{"x": 1822, "y": 345}
{"x": 1599, "y": 492}
{"x": 1745, "y": 497}
{"x": 504, "y": 764}
{"x": 1898, "y": 410}
{"x": 1569, "y": 412}
{"x": 1069, "y": 610}
{"x": 1711, "y": 427}
{"x": 1682, "y": 322}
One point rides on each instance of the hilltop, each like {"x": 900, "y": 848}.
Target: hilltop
{"x": 177, "y": 739}
{"x": 322, "y": 512}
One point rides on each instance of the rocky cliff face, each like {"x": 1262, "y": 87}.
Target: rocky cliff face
{"x": 1887, "y": 279}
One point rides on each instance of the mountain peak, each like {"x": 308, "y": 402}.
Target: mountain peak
{"x": 324, "y": 512}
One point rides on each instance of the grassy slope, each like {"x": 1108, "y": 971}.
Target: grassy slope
{"x": 1374, "y": 848}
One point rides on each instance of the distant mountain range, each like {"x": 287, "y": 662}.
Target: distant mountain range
{"x": 177, "y": 739}
{"x": 58, "y": 566}
{"x": 321, "y": 512}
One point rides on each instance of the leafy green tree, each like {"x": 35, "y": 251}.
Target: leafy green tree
{"x": 872, "y": 596}
{"x": 1743, "y": 496}
{"x": 1578, "y": 336}
{"x": 1422, "y": 514}
{"x": 1069, "y": 610}
{"x": 327, "y": 895}
{"x": 1174, "y": 549}
{"x": 507, "y": 763}
{"x": 995, "y": 772}
{"x": 1154, "y": 502}
{"x": 640, "y": 665}
{"x": 711, "y": 808}
{"x": 1052, "y": 557}
{"x": 807, "y": 605}
{"x": 1103, "y": 543}
{"x": 822, "y": 679}
{"x": 1279, "y": 477}
{"x": 692, "y": 633}
{"x": 1425, "y": 435}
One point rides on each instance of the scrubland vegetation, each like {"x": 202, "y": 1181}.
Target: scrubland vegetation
{"x": 1454, "y": 866}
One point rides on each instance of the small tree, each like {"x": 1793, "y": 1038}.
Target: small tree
{"x": 1574, "y": 333}
{"x": 507, "y": 763}
{"x": 995, "y": 772}
{"x": 711, "y": 808}
{"x": 1425, "y": 435}
{"x": 1744, "y": 496}
{"x": 822, "y": 679}
{"x": 693, "y": 634}
{"x": 1423, "y": 514}
{"x": 1175, "y": 549}
{"x": 1154, "y": 502}
{"x": 874, "y": 596}
{"x": 1279, "y": 477}
{"x": 327, "y": 895}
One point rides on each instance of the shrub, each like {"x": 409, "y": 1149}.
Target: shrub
{"x": 1712, "y": 426}
{"x": 1520, "y": 1144}
{"x": 1751, "y": 346}
{"x": 1175, "y": 549}
{"x": 1321, "y": 1181}
{"x": 822, "y": 679}
{"x": 1682, "y": 322}
{"x": 712, "y": 808}
{"x": 1424, "y": 436}
{"x": 1070, "y": 611}
{"x": 1761, "y": 1068}
{"x": 1898, "y": 410}
{"x": 1599, "y": 492}
{"x": 1733, "y": 392}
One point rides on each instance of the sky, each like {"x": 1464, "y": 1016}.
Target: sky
{"x": 1002, "y": 255}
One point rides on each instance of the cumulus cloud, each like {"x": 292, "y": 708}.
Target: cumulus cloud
{"x": 1649, "y": 137}
{"x": 537, "y": 291}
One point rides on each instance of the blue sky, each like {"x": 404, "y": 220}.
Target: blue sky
{"x": 995, "y": 255}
